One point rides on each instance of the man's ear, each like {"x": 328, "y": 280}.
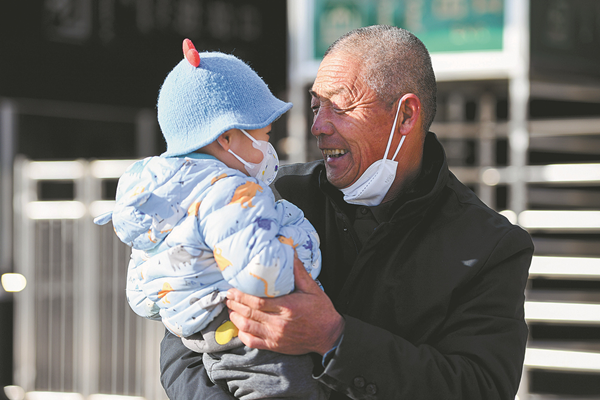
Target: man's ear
{"x": 410, "y": 114}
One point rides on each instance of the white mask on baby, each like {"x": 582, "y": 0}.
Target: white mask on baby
{"x": 266, "y": 170}
{"x": 375, "y": 182}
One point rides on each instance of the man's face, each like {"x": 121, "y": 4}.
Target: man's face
{"x": 351, "y": 125}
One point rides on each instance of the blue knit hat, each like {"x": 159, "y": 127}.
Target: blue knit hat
{"x": 196, "y": 104}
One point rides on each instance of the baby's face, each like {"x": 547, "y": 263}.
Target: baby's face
{"x": 242, "y": 145}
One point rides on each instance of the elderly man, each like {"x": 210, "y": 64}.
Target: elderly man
{"x": 424, "y": 284}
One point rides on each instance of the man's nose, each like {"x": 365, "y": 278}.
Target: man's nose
{"x": 322, "y": 124}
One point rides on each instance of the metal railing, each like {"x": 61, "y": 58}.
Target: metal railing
{"x": 74, "y": 332}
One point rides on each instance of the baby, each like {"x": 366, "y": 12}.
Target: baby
{"x": 202, "y": 219}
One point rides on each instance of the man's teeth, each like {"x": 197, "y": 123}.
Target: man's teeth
{"x": 334, "y": 152}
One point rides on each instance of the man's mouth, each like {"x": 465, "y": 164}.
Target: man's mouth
{"x": 334, "y": 153}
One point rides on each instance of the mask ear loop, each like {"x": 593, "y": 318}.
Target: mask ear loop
{"x": 247, "y": 164}
{"x": 399, "y": 147}
{"x": 249, "y": 136}
{"x": 389, "y": 144}
{"x": 240, "y": 159}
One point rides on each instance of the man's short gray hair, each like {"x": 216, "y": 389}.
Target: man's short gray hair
{"x": 396, "y": 62}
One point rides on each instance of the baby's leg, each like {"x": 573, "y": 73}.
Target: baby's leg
{"x": 252, "y": 374}
{"x": 220, "y": 335}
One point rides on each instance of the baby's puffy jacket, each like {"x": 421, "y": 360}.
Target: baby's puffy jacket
{"x": 198, "y": 228}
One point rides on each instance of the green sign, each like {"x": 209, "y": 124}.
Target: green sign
{"x": 443, "y": 25}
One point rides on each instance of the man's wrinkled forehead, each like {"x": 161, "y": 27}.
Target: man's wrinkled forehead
{"x": 338, "y": 75}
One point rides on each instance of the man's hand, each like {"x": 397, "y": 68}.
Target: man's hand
{"x": 301, "y": 322}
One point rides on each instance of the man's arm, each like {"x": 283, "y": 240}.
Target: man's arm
{"x": 476, "y": 354}
{"x": 304, "y": 321}
{"x": 182, "y": 373}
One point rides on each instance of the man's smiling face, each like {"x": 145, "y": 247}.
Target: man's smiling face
{"x": 351, "y": 125}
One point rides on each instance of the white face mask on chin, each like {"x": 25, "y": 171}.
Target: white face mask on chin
{"x": 266, "y": 170}
{"x": 375, "y": 182}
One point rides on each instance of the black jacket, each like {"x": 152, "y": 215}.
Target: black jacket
{"x": 433, "y": 303}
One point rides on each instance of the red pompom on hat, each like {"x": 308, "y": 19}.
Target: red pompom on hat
{"x": 190, "y": 52}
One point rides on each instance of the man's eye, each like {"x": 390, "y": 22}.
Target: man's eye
{"x": 315, "y": 109}
{"x": 339, "y": 110}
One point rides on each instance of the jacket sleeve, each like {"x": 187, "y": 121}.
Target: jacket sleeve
{"x": 477, "y": 353}
{"x": 137, "y": 299}
{"x": 183, "y": 375}
{"x": 294, "y": 224}
{"x": 252, "y": 246}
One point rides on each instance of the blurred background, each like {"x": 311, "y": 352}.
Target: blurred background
{"x": 518, "y": 114}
